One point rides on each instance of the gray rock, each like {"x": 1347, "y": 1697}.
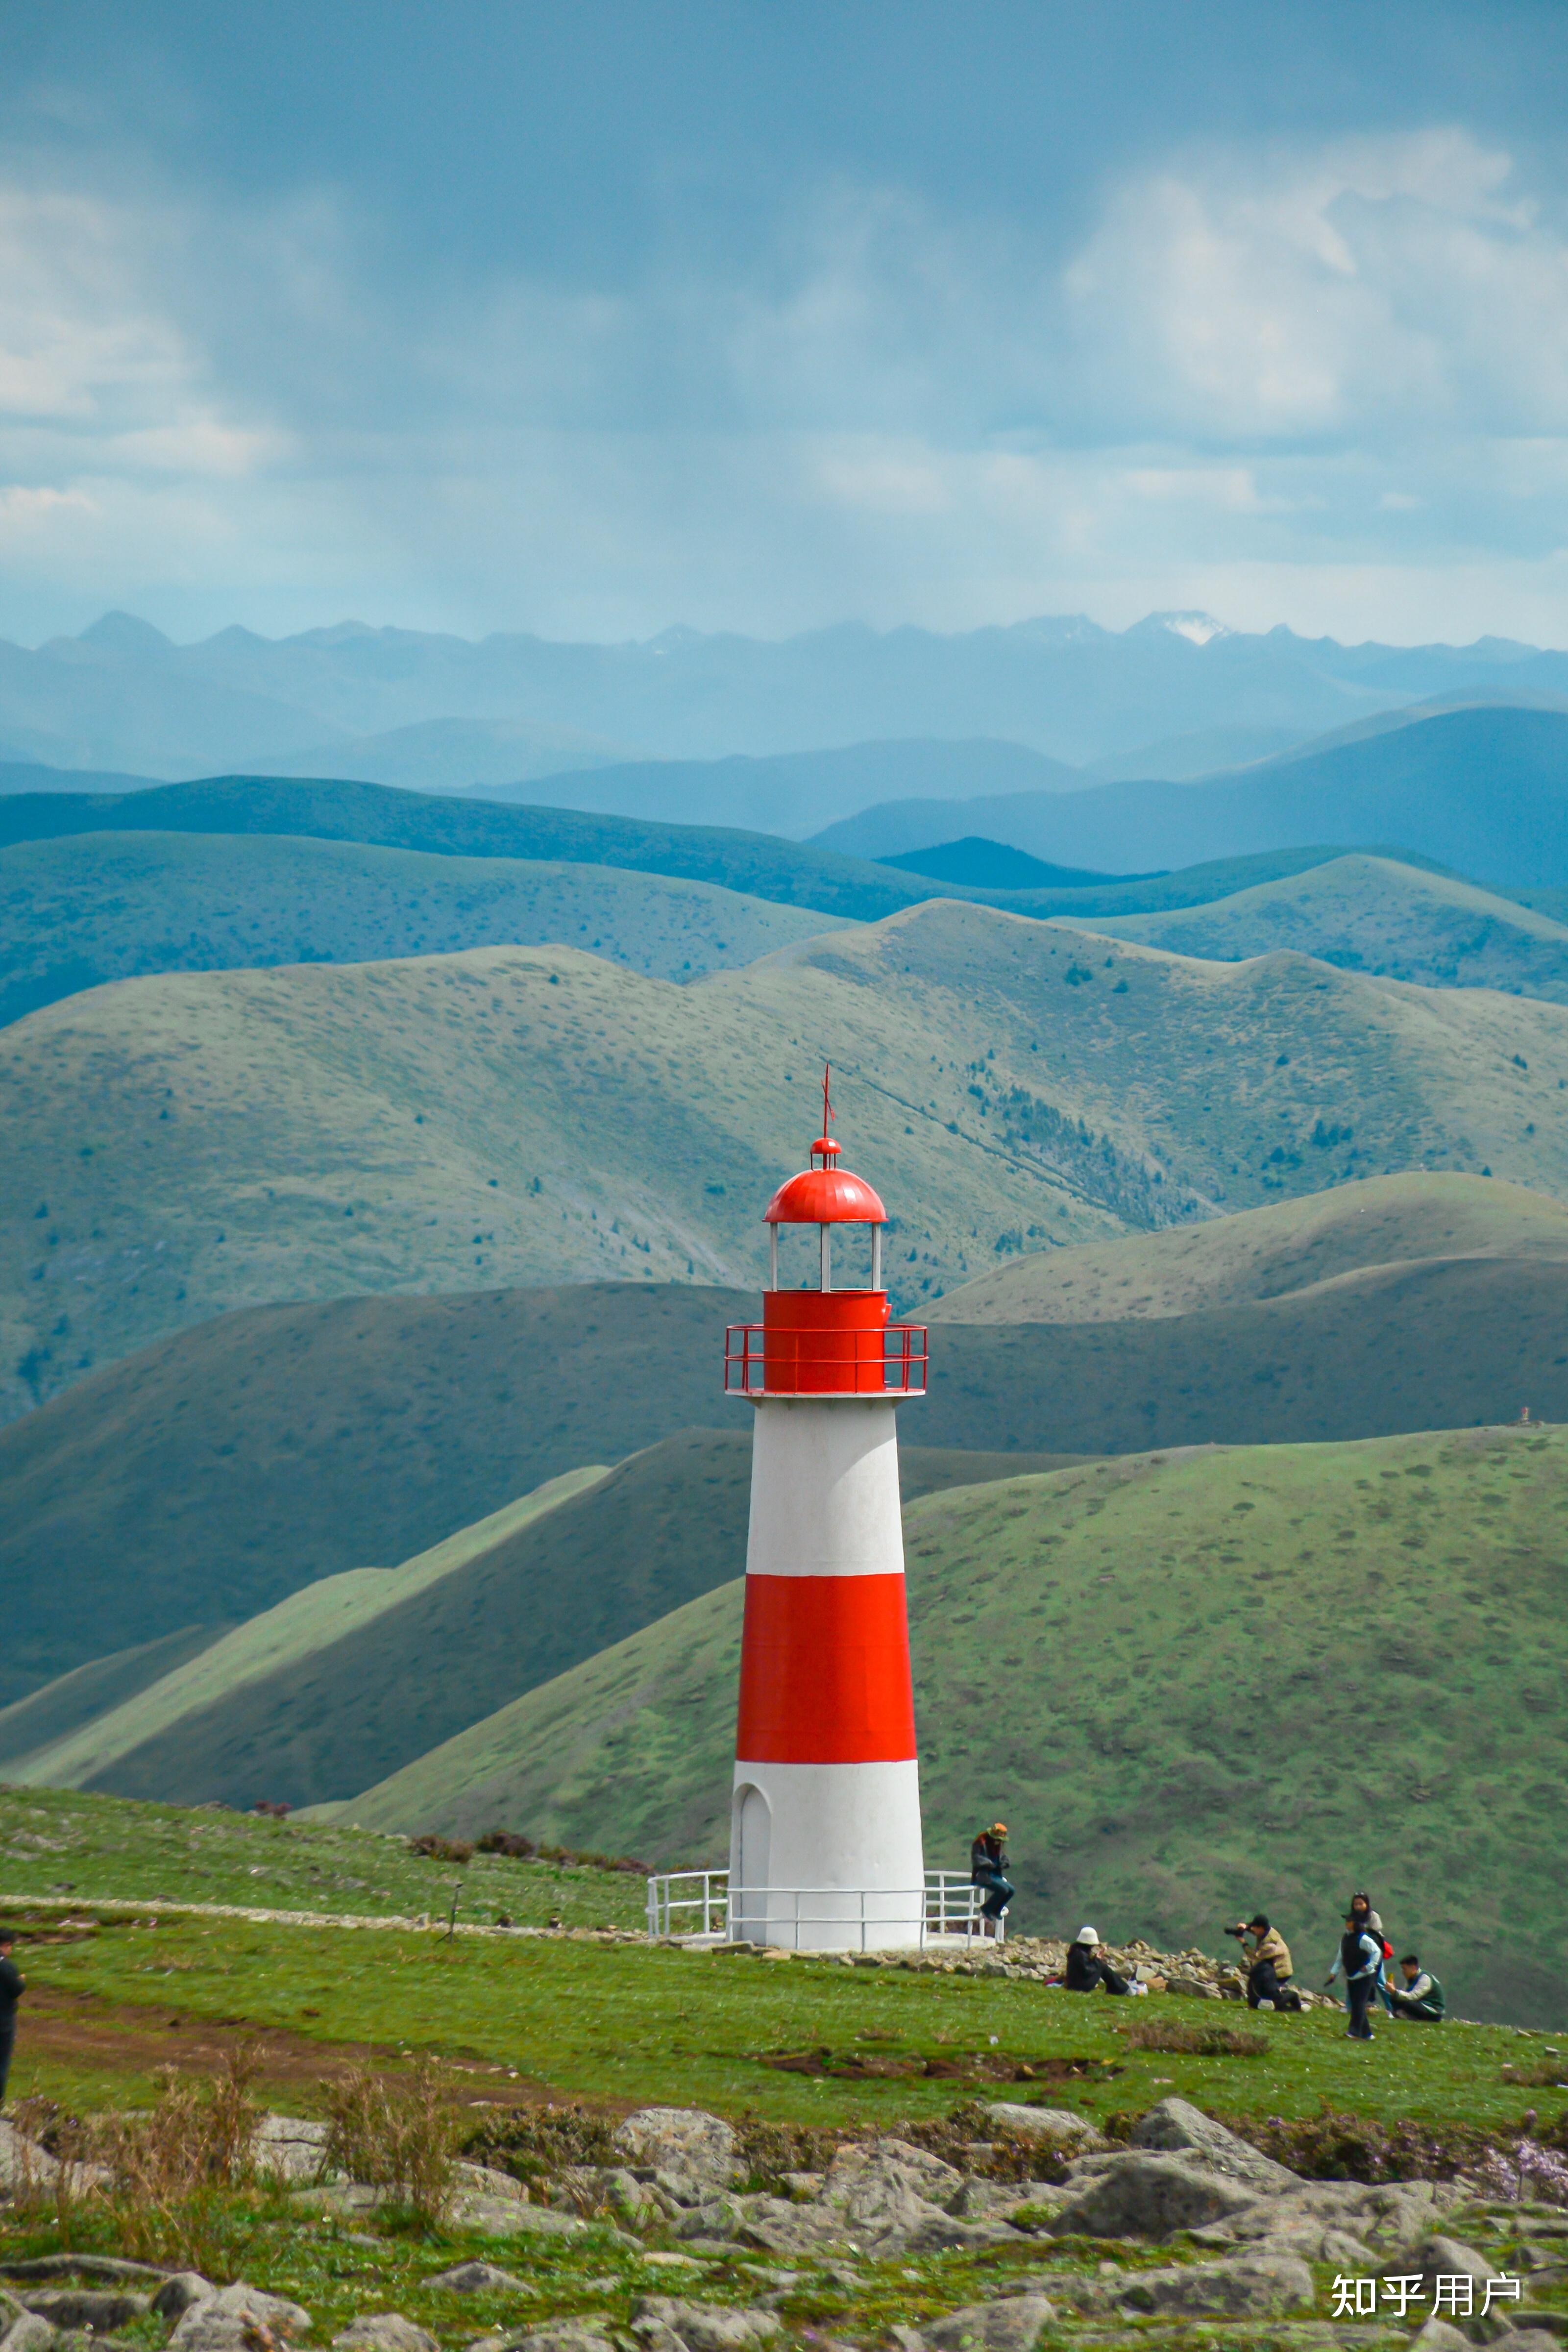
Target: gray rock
{"x": 82, "y": 2266}
{"x": 679, "y": 2140}
{"x": 1014, "y": 2323}
{"x": 1437, "y": 2335}
{"x": 102, "y": 2309}
{"x": 1255, "y": 2287}
{"x": 177, "y": 2295}
{"x": 1345, "y": 2252}
{"x": 1140, "y": 2196}
{"x": 27, "y": 2333}
{"x": 27, "y": 2167}
{"x": 721, "y": 2219}
{"x": 562, "y": 2335}
{"x": 502, "y": 2217}
{"x": 857, "y": 2172}
{"x": 219, "y": 2323}
{"x": 486, "y": 2180}
{"x": 1176, "y": 2126}
{"x": 1435, "y": 2257}
{"x": 475, "y": 2278}
{"x": 780, "y": 2227}
{"x": 384, "y": 2331}
{"x": 291, "y": 2148}
{"x": 1053, "y": 2127}
{"x": 703, "y": 2326}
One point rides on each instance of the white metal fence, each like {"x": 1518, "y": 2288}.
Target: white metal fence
{"x": 701, "y": 1902}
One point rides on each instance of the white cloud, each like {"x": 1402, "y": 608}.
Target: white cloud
{"x": 1372, "y": 285}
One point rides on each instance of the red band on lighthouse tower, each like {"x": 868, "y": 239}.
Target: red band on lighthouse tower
{"x": 825, "y": 1672}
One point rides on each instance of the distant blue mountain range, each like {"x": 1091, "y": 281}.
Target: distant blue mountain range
{"x": 1481, "y": 790}
{"x": 1172, "y": 696}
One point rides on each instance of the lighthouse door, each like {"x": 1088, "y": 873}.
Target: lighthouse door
{"x": 754, "y": 1824}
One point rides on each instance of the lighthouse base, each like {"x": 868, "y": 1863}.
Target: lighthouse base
{"x": 827, "y": 1857}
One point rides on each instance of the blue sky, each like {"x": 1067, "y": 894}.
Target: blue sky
{"x": 595, "y": 319}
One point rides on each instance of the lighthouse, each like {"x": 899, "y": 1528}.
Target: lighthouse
{"x": 824, "y": 1833}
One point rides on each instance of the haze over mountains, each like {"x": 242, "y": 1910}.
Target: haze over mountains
{"x": 123, "y": 696}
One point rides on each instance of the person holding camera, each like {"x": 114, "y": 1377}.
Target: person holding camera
{"x": 1270, "y": 1968}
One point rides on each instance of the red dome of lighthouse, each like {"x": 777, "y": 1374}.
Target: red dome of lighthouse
{"x": 825, "y": 1196}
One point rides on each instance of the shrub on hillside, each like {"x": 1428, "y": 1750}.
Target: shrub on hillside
{"x": 1333, "y": 2145}
{"x": 397, "y": 2133}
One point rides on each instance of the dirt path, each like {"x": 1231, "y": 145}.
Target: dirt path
{"x": 84, "y": 2031}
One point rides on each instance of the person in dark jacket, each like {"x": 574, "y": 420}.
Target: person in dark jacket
{"x": 12, "y": 1985}
{"x": 1420, "y": 1997}
{"x": 988, "y": 1868}
{"x": 1361, "y": 1960}
{"x": 1088, "y": 1966}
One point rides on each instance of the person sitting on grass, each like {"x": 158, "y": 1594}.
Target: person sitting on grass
{"x": 1420, "y": 1997}
{"x": 1088, "y": 1966}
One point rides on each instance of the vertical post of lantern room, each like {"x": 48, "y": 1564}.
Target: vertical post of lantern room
{"x": 826, "y": 1850}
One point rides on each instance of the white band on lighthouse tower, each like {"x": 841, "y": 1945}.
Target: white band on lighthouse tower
{"x": 826, "y": 1850}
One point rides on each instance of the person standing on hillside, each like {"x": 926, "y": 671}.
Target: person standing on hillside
{"x": 988, "y": 1868}
{"x": 1360, "y": 1957}
{"x": 12, "y": 1986}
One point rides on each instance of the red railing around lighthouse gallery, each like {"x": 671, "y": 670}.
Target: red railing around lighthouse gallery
{"x": 762, "y": 1359}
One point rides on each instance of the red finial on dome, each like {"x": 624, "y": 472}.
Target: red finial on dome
{"x": 823, "y": 1152}
{"x": 824, "y": 1194}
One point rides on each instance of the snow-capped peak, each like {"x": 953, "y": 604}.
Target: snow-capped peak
{"x": 1198, "y": 628}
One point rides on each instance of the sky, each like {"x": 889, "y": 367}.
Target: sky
{"x": 485, "y": 314}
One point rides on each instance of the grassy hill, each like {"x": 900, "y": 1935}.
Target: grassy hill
{"x": 119, "y": 1852}
{"x": 56, "y": 1709}
{"x": 1480, "y": 789}
{"x": 1192, "y": 1682}
{"x": 759, "y": 864}
{"x": 334, "y": 1610}
{"x": 212, "y": 1474}
{"x": 353, "y": 1676}
{"x": 180, "y": 1146}
{"x": 1261, "y": 1254}
{"x": 109, "y": 906}
{"x": 1369, "y": 914}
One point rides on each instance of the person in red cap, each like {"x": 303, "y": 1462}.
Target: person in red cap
{"x": 988, "y": 1868}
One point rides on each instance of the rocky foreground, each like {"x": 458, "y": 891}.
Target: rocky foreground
{"x": 1188, "y": 2234}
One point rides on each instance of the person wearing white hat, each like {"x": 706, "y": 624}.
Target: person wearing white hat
{"x": 1088, "y": 1966}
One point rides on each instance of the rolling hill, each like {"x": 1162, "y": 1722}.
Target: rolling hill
{"x": 1192, "y": 1682}
{"x": 180, "y": 1146}
{"x": 212, "y": 1474}
{"x": 1482, "y": 790}
{"x": 353, "y": 1676}
{"x": 758, "y": 865}
{"x": 1370, "y": 914}
{"x": 1266, "y": 1253}
{"x": 77, "y": 912}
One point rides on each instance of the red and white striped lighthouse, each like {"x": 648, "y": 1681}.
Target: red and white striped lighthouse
{"x": 824, "y": 1838}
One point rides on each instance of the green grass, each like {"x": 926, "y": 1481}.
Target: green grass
{"x": 58, "y": 1843}
{"x": 109, "y": 906}
{"x": 205, "y": 1142}
{"x": 1194, "y": 1683}
{"x": 1370, "y": 914}
{"x": 625, "y": 2026}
